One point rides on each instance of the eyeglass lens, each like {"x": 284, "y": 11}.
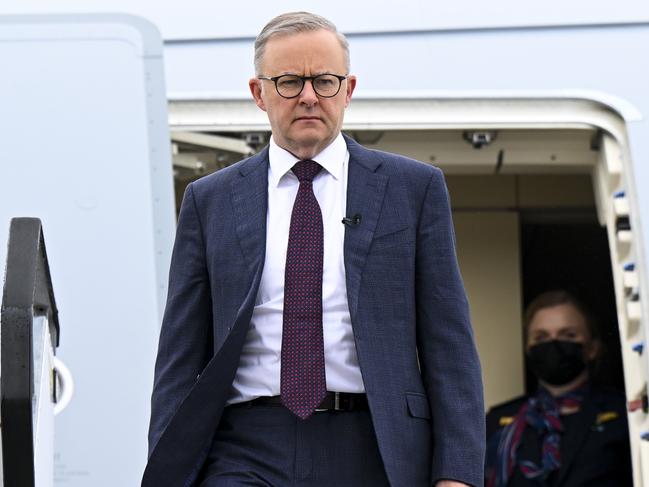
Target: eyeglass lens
{"x": 325, "y": 85}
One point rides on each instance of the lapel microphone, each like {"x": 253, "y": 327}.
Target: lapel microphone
{"x": 352, "y": 221}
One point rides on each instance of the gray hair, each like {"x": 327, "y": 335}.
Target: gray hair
{"x": 295, "y": 23}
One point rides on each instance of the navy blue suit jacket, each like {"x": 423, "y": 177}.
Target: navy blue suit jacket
{"x": 408, "y": 309}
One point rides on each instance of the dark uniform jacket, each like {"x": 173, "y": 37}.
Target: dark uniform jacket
{"x": 594, "y": 446}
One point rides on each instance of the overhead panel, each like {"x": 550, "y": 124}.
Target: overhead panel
{"x": 543, "y": 151}
{"x": 240, "y": 115}
{"x": 446, "y": 149}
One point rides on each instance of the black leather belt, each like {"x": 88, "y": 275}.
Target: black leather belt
{"x": 333, "y": 401}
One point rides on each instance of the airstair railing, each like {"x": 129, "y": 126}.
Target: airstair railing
{"x": 29, "y": 319}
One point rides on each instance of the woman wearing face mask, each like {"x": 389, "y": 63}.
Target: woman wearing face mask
{"x": 569, "y": 433}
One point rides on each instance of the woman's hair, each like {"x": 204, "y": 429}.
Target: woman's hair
{"x": 549, "y": 299}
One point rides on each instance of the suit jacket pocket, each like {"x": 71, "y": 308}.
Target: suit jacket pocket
{"x": 384, "y": 241}
{"x": 418, "y": 405}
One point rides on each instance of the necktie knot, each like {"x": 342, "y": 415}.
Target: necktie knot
{"x": 306, "y": 170}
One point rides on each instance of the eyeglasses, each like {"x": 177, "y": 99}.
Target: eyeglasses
{"x": 291, "y": 85}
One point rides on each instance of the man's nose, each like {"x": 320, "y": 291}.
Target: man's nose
{"x": 308, "y": 95}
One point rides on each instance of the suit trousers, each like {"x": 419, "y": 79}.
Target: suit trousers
{"x": 269, "y": 446}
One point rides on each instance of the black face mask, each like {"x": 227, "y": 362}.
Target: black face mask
{"x": 556, "y": 362}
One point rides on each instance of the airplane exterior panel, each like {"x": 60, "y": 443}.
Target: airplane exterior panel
{"x": 86, "y": 150}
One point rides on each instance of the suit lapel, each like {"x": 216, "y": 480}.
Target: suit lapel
{"x": 571, "y": 444}
{"x": 250, "y": 203}
{"x": 365, "y": 192}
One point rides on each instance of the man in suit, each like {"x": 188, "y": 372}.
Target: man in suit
{"x": 316, "y": 331}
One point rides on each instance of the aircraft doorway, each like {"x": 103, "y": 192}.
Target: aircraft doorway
{"x": 518, "y": 236}
{"x": 542, "y": 197}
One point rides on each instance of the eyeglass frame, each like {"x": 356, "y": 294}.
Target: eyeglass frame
{"x": 304, "y": 80}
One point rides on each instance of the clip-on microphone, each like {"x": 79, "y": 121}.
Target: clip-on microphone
{"x": 352, "y": 221}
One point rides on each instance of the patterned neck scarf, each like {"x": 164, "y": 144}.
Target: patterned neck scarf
{"x": 542, "y": 413}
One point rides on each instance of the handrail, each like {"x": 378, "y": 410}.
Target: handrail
{"x": 27, "y": 294}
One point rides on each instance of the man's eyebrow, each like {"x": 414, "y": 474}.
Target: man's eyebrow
{"x": 283, "y": 73}
{"x": 316, "y": 73}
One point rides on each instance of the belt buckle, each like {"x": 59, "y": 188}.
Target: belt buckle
{"x": 321, "y": 410}
{"x": 336, "y": 404}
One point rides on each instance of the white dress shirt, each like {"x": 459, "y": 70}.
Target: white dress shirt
{"x": 260, "y": 364}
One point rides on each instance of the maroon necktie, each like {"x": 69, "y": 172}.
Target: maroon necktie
{"x": 303, "y": 384}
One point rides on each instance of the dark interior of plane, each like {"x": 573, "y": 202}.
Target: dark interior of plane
{"x": 574, "y": 255}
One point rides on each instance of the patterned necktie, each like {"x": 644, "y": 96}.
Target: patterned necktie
{"x": 303, "y": 384}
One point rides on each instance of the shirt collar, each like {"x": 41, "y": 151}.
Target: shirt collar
{"x": 332, "y": 159}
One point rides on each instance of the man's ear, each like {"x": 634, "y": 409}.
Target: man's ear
{"x": 351, "y": 84}
{"x": 255, "y": 88}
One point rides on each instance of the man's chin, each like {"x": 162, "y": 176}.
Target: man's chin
{"x": 308, "y": 138}
{"x": 305, "y": 147}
